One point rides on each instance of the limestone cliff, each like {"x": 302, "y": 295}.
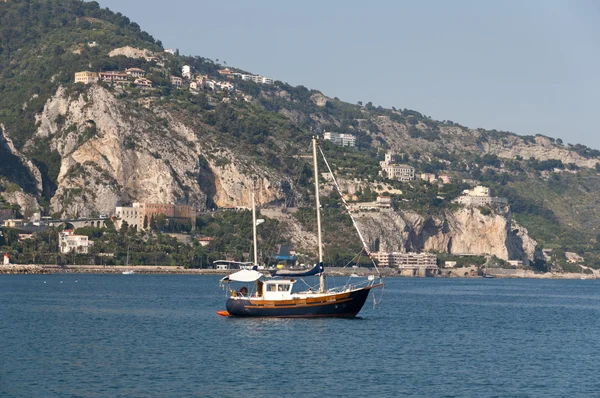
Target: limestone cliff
{"x": 464, "y": 231}
{"x": 113, "y": 152}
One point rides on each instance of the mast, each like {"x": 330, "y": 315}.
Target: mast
{"x": 254, "y": 228}
{"x": 322, "y": 277}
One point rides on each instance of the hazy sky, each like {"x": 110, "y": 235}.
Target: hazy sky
{"x": 524, "y": 66}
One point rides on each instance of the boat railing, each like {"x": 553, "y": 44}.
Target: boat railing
{"x": 355, "y": 285}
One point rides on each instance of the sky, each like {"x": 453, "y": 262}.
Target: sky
{"x": 529, "y": 67}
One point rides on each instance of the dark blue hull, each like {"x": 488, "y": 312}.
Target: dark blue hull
{"x": 345, "y": 305}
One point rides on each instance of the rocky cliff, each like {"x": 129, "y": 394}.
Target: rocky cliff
{"x": 463, "y": 231}
{"x": 115, "y": 152}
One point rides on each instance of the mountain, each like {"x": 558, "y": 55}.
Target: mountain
{"x": 74, "y": 149}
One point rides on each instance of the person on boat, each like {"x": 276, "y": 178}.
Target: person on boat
{"x": 243, "y": 291}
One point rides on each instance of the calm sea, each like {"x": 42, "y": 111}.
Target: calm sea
{"x": 149, "y": 335}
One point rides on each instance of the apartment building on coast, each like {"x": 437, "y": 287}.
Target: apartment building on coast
{"x": 409, "y": 264}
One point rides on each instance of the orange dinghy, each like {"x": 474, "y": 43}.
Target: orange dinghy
{"x": 223, "y": 313}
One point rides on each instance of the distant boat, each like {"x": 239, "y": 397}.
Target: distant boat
{"x": 353, "y": 275}
{"x": 128, "y": 272}
{"x": 273, "y": 297}
{"x": 488, "y": 276}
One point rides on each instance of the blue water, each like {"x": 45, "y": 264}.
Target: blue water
{"x": 158, "y": 335}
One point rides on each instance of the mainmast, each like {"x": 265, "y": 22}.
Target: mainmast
{"x": 322, "y": 278}
{"x": 254, "y": 228}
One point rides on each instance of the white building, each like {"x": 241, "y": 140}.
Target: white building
{"x": 68, "y": 242}
{"x": 186, "y": 71}
{"x": 342, "y": 139}
{"x": 133, "y": 215}
{"x": 257, "y": 79}
{"x": 218, "y": 86}
{"x": 411, "y": 261}
{"x": 6, "y": 259}
{"x": 135, "y": 72}
{"x": 479, "y": 196}
{"x": 394, "y": 171}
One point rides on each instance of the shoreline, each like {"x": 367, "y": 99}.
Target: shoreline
{"x": 34, "y": 269}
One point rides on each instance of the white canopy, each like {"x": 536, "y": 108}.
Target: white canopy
{"x": 245, "y": 275}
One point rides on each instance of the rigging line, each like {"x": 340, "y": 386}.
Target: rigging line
{"x": 355, "y": 257}
{"x": 271, "y": 240}
{"x": 375, "y": 302}
{"x": 337, "y": 187}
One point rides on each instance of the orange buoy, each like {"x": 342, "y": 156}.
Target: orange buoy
{"x": 223, "y": 313}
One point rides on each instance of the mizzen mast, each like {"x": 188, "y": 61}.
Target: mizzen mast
{"x": 254, "y": 228}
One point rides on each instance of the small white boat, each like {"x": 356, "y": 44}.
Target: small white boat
{"x": 128, "y": 272}
{"x": 353, "y": 275}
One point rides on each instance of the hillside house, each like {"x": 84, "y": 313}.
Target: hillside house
{"x": 394, "y": 171}
{"x": 177, "y": 81}
{"x": 135, "y": 72}
{"x": 143, "y": 83}
{"x": 86, "y": 77}
{"x": 114, "y": 77}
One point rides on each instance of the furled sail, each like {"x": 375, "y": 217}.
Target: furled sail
{"x": 317, "y": 269}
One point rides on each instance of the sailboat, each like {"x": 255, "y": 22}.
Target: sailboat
{"x": 129, "y": 271}
{"x": 275, "y": 297}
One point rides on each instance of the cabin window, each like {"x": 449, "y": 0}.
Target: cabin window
{"x": 283, "y": 288}
{"x": 271, "y": 288}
